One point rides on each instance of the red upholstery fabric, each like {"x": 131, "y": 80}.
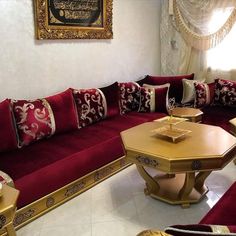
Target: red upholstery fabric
{"x": 64, "y": 110}
{"x": 129, "y": 97}
{"x": 204, "y": 94}
{"x": 34, "y": 120}
{"x": 91, "y": 105}
{"x": 224, "y": 212}
{"x": 176, "y": 87}
{"x": 219, "y": 116}
{"x": 49, "y": 178}
{"x": 111, "y": 94}
{"x": 74, "y": 154}
{"x": 8, "y": 135}
{"x": 225, "y": 92}
{"x": 199, "y": 229}
{"x": 146, "y": 117}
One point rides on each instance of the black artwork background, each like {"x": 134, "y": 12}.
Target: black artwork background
{"x": 79, "y": 22}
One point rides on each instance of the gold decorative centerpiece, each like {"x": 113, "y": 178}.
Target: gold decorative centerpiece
{"x": 0, "y": 189}
{"x": 168, "y": 131}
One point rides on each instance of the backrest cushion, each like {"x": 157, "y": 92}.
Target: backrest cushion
{"x": 129, "y": 97}
{"x": 111, "y": 94}
{"x": 34, "y": 120}
{"x": 176, "y": 87}
{"x": 204, "y": 94}
{"x": 225, "y": 92}
{"x": 64, "y": 110}
{"x": 161, "y": 97}
{"x": 91, "y": 105}
{"x": 188, "y": 91}
{"x": 147, "y": 100}
{"x": 8, "y": 135}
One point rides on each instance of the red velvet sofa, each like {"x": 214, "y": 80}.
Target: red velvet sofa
{"x": 215, "y": 112}
{"x": 71, "y": 154}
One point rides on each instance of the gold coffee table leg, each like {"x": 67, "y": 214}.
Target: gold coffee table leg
{"x": 200, "y": 179}
{"x": 152, "y": 185}
{"x": 10, "y": 230}
{"x": 187, "y": 187}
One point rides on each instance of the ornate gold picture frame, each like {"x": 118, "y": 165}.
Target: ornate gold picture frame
{"x": 73, "y": 19}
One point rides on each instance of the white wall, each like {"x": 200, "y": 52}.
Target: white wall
{"x": 30, "y": 68}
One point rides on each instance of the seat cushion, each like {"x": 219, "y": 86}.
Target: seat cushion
{"x": 219, "y": 116}
{"x": 74, "y": 154}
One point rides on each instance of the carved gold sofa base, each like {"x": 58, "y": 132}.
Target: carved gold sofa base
{"x": 34, "y": 210}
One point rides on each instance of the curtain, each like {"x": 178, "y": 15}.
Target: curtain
{"x": 187, "y": 31}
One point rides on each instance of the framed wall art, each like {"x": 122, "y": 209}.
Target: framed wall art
{"x": 73, "y": 19}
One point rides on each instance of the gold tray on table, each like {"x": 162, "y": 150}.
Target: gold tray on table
{"x": 173, "y": 133}
{"x": 171, "y": 120}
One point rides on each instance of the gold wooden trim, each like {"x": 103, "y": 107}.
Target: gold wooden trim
{"x": 45, "y": 31}
{"x": 34, "y": 210}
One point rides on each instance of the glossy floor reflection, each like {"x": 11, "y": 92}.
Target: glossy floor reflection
{"x": 118, "y": 207}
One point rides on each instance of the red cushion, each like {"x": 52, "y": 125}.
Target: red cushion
{"x": 204, "y": 94}
{"x": 219, "y": 116}
{"x": 161, "y": 98}
{"x": 198, "y": 229}
{"x": 224, "y": 211}
{"x": 91, "y": 105}
{"x": 129, "y": 97}
{"x": 34, "y": 120}
{"x": 8, "y": 134}
{"x": 64, "y": 111}
{"x": 176, "y": 86}
{"x": 111, "y": 94}
{"x": 225, "y": 92}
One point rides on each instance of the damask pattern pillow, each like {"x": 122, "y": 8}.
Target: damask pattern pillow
{"x": 147, "y": 100}
{"x": 34, "y": 120}
{"x": 129, "y": 97}
{"x": 204, "y": 94}
{"x": 161, "y": 97}
{"x": 225, "y": 92}
{"x": 91, "y": 105}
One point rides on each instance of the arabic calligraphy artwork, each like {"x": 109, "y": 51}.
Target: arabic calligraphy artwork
{"x": 73, "y": 19}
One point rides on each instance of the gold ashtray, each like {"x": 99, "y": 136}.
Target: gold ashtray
{"x": 173, "y": 133}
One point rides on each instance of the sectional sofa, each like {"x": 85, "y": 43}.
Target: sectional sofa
{"x": 59, "y": 146}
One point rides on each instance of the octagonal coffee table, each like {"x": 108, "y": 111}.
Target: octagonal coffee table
{"x": 184, "y": 165}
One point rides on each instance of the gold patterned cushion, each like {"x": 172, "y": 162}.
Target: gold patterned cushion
{"x": 34, "y": 120}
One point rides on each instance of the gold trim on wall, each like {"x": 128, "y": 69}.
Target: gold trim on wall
{"x": 71, "y": 19}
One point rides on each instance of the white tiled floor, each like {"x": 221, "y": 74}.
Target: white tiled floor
{"x": 118, "y": 207}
